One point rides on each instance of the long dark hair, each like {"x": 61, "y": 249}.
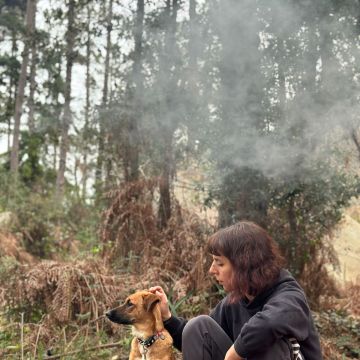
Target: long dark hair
{"x": 254, "y": 255}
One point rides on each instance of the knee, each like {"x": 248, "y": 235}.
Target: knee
{"x": 196, "y": 326}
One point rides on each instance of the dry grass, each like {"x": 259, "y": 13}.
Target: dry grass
{"x": 347, "y": 300}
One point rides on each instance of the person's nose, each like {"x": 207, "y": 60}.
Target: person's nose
{"x": 212, "y": 269}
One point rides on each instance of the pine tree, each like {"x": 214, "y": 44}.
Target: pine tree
{"x": 30, "y": 33}
{"x": 66, "y": 120}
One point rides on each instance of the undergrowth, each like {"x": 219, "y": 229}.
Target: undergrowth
{"x": 57, "y": 306}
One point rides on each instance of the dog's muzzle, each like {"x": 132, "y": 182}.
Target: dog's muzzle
{"x": 118, "y": 318}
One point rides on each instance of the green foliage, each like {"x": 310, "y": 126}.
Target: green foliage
{"x": 9, "y": 67}
{"x": 243, "y": 194}
{"x": 40, "y": 215}
{"x": 298, "y": 210}
{"x": 35, "y": 210}
{"x": 31, "y": 170}
{"x": 342, "y": 330}
{"x": 9, "y": 341}
{"x": 11, "y": 21}
{"x": 176, "y": 304}
{"x": 308, "y": 207}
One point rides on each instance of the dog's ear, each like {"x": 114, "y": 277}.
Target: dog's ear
{"x": 152, "y": 303}
{"x": 150, "y": 300}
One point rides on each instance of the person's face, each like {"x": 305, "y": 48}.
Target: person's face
{"x": 222, "y": 270}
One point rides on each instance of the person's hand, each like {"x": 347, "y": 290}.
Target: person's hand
{"x": 164, "y": 304}
{"x": 232, "y": 354}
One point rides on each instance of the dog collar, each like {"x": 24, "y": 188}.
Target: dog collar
{"x": 150, "y": 340}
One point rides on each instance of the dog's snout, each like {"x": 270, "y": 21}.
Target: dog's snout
{"x": 113, "y": 316}
{"x": 117, "y": 316}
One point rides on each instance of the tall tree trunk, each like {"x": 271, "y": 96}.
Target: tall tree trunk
{"x": 137, "y": 79}
{"x": 169, "y": 125}
{"x": 87, "y": 106}
{"x": 356, "y": 140}
{"x": 57, "y": 114}
{"x": 165, "y": 180}
{"x": 281, "y": 60}
{"x": 31, "y": 103}
{"x": 12, "y": 93}
{"x": 30, "y": 27}
{"x": 64, "y": 145}
{"x": 102, "y": 136}
{"x": 193, "y": 39}
{"x": 9, "y": 112}
{"x": 192, "y": 78}
{"x": 293, "y": 256}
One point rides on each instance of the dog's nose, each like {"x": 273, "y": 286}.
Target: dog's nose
{"x": 108, "y": 314}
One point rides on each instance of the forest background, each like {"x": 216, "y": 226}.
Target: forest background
{"x": 111, "y": 110}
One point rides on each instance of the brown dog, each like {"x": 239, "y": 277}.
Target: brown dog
{"x": 142, "y": 311}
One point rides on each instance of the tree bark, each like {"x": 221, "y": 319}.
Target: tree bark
{"x": 170, "y": 123}
{"x": 102, "y": 133}
{"x": 31, "y": 120}
{"x": 137, "y": 79}
{"x": 165, "y": 182}
{"x": 193, "y": 48}
{"x": 355, "y": 140}
{"x": 87, "y": 106}
{"x": 64, "y": 145}
{"x": 12, "y": 94}
{"x": 281, "y": 60}
{"x": 293, "y": 255}
{"x": 30, "y": 27}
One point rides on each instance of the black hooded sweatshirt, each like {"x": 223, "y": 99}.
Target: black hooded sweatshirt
{"x": 279, "y": 312}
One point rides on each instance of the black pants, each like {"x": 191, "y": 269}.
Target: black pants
{"x": 204, "y": 339}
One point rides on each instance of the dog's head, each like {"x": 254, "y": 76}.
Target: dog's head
{"x": 139, "y": 309}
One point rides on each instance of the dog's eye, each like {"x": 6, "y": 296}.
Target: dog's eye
{"x": 129, "y": 303}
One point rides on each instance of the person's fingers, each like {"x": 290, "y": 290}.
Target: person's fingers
{"x": 156, "y": 288}
{"x": 161, "y": 294}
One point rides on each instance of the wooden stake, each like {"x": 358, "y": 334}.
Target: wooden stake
{"x": 22, "y": 336}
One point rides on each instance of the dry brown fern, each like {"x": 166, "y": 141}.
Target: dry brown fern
{"x": 129, "y": 220}
{"x": 11, "y": 246}
{"x": 132, "y": 239}
{"x": 77, "y": 293}
{"x": 68, "y": 291}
